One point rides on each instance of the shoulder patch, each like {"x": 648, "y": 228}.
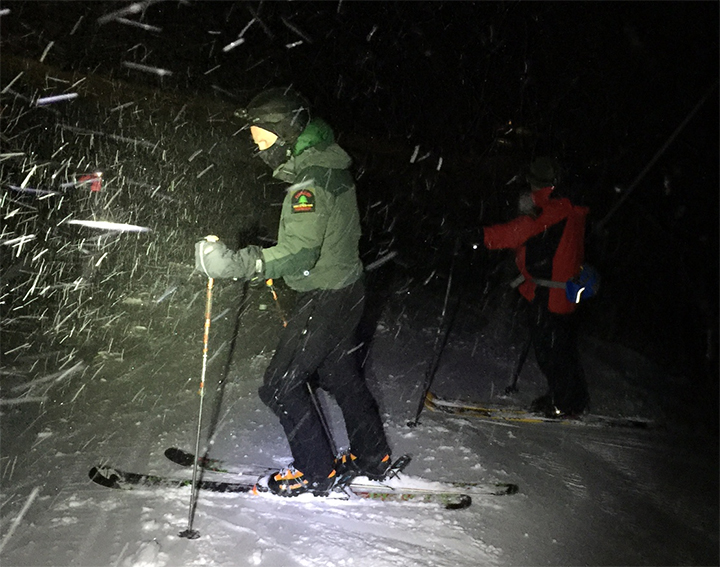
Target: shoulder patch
{"x": 303, "y": 201}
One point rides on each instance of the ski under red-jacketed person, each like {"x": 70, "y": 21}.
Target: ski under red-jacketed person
{"x": 317, "y": 255}
{"x": 548, "y": 239}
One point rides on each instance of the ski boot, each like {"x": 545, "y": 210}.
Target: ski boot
{"x": 292, "y": 482}
{"x": 348, "y": 467}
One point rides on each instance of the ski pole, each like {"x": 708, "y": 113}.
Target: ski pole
{"x": 271, "y": 287}
{"x": 437, "y": 350}
{"x": 512, "y": 388}
{"x": 190, "y": 533}
{"x": 323, "y": 419}
{"x": 220, "y": 390}
{"x": 601, "y": 224}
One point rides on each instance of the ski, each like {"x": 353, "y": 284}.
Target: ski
{"x": 186, "y": 459}
{"x": 118, "y": 479}
{"x": 407, "y": 483}
{"x": 512, "y": 414}
{"x": 111, "y": 477}
{"x": 394, "y": 482}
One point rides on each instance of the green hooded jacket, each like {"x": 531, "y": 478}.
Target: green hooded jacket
{"x": 319, "y": 230}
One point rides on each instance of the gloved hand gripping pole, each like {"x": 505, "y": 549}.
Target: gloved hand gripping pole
{"x": 190, "y": 533}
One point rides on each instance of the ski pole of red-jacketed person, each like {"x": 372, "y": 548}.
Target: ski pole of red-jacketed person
{"x": 190, "y": 533}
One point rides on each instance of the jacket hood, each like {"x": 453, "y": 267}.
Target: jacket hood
{"x": 315, "y": 147}
{"x": 317, "y": 134}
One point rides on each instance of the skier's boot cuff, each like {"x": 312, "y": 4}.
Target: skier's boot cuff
{"x": 376, "y": 469}
{"x": 345, "y": 469}
{"x": 292, "y": 482}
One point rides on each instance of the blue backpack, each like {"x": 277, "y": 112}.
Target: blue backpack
{"x": 583, "y": 286}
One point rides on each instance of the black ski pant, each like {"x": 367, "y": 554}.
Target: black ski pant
{"x": 554, "y": 338}
{"x": 320, "y": 342}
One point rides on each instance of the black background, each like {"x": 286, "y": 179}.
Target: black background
{"x": 440, "y": 105}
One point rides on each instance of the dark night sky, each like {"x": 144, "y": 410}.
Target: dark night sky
{"x": 432, "y": 69}
{"x": 604, "y": 84}
{"x": 600, "y": 85}
{"x": 601, "y": 82}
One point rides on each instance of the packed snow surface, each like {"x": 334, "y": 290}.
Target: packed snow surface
{"x": 588, "y": 496}
{"x": 120, "y": 149}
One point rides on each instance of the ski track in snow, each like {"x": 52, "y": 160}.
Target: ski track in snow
{"x": 351, "y": 533}
{"x": 375, "y": 536}
{"x": 551, "y": 466}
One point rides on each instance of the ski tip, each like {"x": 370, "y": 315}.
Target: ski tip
{"x": 104, "y": 477}
{"x": 179, "y": 456}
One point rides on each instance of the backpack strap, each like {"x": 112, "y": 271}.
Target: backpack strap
{"x": 538, "y": 281}
{"x": 549, "y": 283}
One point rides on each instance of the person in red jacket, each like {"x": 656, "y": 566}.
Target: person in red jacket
{"x": 548, "y": 240}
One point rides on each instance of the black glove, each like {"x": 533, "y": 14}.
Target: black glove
{"x": 215, "y": 260}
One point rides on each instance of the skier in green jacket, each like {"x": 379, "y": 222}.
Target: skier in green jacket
{"x": 317, "y": 255}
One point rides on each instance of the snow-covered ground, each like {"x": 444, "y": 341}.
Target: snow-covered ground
{"x": 588, "y": 496}
{"x": 102, "y": 332}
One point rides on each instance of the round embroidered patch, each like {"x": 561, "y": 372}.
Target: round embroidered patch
{"x": 303, "y": 201}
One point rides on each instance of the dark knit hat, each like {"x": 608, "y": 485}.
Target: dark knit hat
{"x": 281, "y": 111}
{"x": 542, "y": 172}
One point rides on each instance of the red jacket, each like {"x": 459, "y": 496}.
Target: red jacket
{"x": 550, "y": 246}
